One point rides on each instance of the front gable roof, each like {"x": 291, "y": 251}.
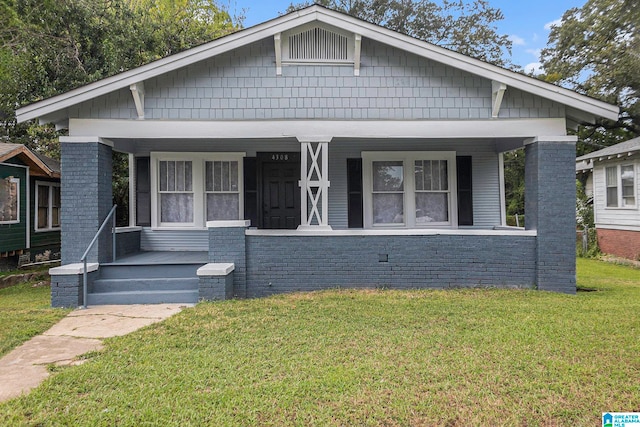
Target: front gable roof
{"x": 580, "y": 108}
{"x": 39, "y": 165}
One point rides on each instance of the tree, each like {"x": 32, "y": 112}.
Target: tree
{"x": 52, "y": 46}
{"x": 172, "y": 26}
{"x": 514, "y": 183}
{"x": 467, "y": 27}
{"x": 49, "y": 47}
{"x": 595, "y": 50}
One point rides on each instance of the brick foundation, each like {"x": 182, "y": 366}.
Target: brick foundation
{"x": 621, "y": 243}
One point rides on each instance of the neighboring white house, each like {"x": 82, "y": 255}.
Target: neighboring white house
{"x": 612, "y": 179}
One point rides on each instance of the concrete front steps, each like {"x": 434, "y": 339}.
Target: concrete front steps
{"x": 144, "y": 284}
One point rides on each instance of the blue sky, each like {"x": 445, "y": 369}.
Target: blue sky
{"x": 526, "y": 21}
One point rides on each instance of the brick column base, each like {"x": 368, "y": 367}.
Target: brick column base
{"x": 67, "y": 286}
{"x": 227, "y": 245}
{"x": 550, "y": 197}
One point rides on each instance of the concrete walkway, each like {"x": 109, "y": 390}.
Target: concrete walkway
{"x": 81, "y": 331}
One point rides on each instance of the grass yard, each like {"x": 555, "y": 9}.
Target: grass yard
{"x": 25, "y": 311}
{"x": 419, "y": 358}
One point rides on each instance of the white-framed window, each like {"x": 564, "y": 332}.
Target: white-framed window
{"x": 10, "y": 200}
{"x": 432, "y": 191}
{"x": 189, "y": 189}
{"x": 175, "y": 192}
{"x": 409, "y": 189}
{"x": 47, "y": 210}
{"x": 620, "y": 183}
{"x": 387, "y": 192}
{"x": 222, "y": 190}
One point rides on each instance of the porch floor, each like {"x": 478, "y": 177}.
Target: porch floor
{"x": 168, "y": 257}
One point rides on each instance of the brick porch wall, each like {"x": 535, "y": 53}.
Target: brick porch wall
{"x": 277, "y": 264}
{"x": 622, "y": 243}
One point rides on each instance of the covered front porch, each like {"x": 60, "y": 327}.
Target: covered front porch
{"x": 312, "y": 212}
{"x": 267, "y": 262}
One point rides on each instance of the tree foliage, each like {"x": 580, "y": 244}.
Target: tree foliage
{"x": 596, "y": 51}
{"x": 467, "y": 27}
{"x": 49, "y": 47}
{"x": 514, "y": 182}
{"x": 172, "y": 26}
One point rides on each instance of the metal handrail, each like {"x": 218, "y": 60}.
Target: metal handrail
{"x": 111, "y": 214}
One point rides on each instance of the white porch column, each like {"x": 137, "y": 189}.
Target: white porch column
{"x": 314, "y": 183}
{"x": 132, "y": 191}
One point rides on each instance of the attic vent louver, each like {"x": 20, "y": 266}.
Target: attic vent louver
{"x": 318, "y": 44}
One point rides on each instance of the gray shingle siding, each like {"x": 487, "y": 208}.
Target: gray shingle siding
{"x": 242, "y": 85}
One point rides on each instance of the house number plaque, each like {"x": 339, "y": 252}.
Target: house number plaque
{"x": 282, "y": 157}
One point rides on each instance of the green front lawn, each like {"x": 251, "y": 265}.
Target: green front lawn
{"x": 342, "y": 357}
{"x": 25, "y": 311}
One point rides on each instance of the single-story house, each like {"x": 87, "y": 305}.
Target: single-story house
{"x": 611, "y": 176}
{"x": 312, "y": 151}
{"x": 29, "y": 206}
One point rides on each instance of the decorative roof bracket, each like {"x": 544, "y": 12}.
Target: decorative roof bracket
{"x": 497, "y": 93}
{"x": 137, "y": 90}
{"x": 277, "y": 39}
{"x": 356, "y": 54}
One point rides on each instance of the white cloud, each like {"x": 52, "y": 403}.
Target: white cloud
{"x": 535, "y": 37}
{"x": 555, "y": 23}
{"x": 516, "y": 40}
{"x": 534, "y": 68}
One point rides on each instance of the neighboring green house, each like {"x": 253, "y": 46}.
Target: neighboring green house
{"x": 29, "y": 206}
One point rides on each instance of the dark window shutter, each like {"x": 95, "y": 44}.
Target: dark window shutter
{"x": 465, "y": 188}
{"x": 251, "y": 190}
{"x": 354, "y": 193}
{"x": 143, "y": 191}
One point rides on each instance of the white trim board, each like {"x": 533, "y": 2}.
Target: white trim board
{"x": 316, "y": 130}
{"x": 323, "y": 15}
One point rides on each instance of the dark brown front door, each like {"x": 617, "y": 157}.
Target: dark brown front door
{"x": 280, "y": 194}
